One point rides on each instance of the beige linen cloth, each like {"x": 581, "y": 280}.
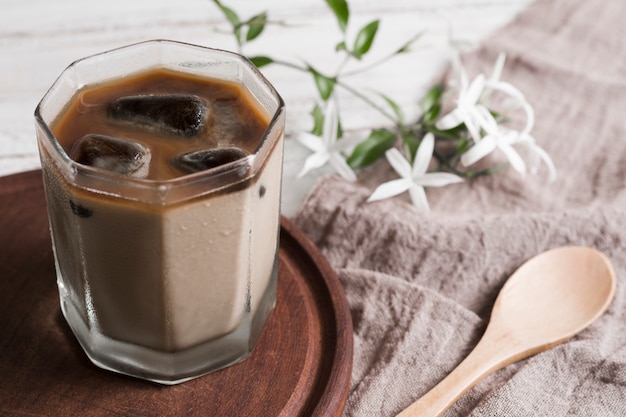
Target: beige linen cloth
{"x": 421, "y": 286}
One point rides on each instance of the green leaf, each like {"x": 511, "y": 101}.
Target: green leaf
{"x": 395, "y": 107}
{"x": 232, "y": 17}
{"x": 432, "y": 98}
{"x": 430, "y": 116}
{"x": 408, "y": 44}
{"x": 318, "y": 120}
{"x": 230, "y": 14}
{"x": 499, "y": 117}
{"x": 453, "y": 134}
{"x": 411, "y": 143}
{"x": 372, "y": 148}
{"x": 364, "y": 39}
{"x": 325, "y": 85}
{"x": 341, "y": 46}
{"x": 256, "y": 25}
{"x": 341, "y": 11}
{"x": 462, "y": 146}
{"x": 261, "y": 60}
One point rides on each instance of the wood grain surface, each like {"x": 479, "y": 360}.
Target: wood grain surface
{"x": 300, "y": 367}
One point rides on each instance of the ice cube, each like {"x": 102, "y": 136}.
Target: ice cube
{"x": 173, "y": 114}
{"x": 112, "y": 154}
{"x": 208, "y": 158}
{"x": 226, "y": 123}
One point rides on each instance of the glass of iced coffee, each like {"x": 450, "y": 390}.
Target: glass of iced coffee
{"x": 162, "y": 168}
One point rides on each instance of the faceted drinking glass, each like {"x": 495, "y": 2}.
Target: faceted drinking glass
{"x": 165, "y": 280}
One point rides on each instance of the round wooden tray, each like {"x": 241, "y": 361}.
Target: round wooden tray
{"x": 300, "y": 367}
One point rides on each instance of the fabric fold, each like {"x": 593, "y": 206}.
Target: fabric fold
{"x": 421, "y": 286}
{"x": 394, "y": 324}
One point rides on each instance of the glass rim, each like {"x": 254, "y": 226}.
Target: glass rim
{"x": 251, "y": 163}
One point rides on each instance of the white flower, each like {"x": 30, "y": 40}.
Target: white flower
{"x": 506, "y": 141}
{"x": 413, "y": 179}
{"x": 468, "y": 109}
{"x": 327, "y": 149}
{"x": 486, "y": 133}
{"x": 537, "y": 154}
{"x": 472, "y": 102}
{"x": 496, "y": 138}
{"x": 495, "y": 77}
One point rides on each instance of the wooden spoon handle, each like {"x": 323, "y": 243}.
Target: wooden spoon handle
{"x": 489, "y": 355}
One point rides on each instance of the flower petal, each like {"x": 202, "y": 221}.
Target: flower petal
{"x": 423, "y": 155}
{"x": 458, "y": 71}
{"x": 346, "y": 143}
{"x": 438, "y": 179}
{"x": 485, "y": 119}
{"x": 314, "y": 143}
{"x": 514, "y": 158}
{"x": 519, "y": 98}
{"x": 418, "y": 198}
{"x": 342, "y": 167}
{"x": 474, "y": 91}
{"x": 473, "y": 129}
{"x": 530, "y": 117}
{"x": 314, "y": 161}
{"x": 330, "y": 128}
{"x": 497, "y": 68}
{"x": 547, "y": 160}
{"x": 508, "y": 89}
{"x": 479, "y": 151}
{"x": 511, "y": 137}
{"x": 390, "y": 189}
{"x": 450, "y": 120}
{"x": 398, "y": 162}
{"x": 496, "y": 73}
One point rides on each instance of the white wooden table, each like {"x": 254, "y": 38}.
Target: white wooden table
{"x": 39, "y": 38}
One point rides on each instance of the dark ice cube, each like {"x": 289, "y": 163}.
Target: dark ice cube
{"x": 112, "y": 154}
{"x": 208, "y": 158}
{"x": 225, "y": 121}
{"x": 174, "y": 114}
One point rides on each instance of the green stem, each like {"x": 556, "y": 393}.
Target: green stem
{"x": 492, "y": 170}
{"x": 446, "y": 163}
{"x": 368, "y": 101}
{"x": 348, "y": 88}
{"x": 369, "y": 66}
{"x": 290, "y": 65}
{"x": 345, "y": 61}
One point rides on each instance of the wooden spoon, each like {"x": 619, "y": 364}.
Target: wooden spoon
{"x": 546, "y": 301}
